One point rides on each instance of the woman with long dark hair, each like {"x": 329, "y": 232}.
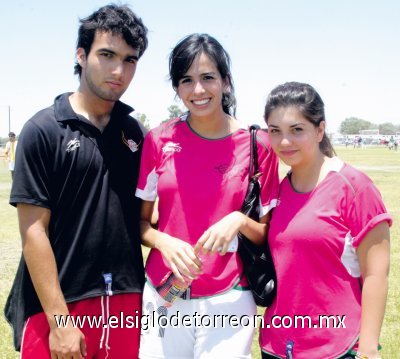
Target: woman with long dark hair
{"x": 197, "y": 165}
{"x": 329, "y": 238}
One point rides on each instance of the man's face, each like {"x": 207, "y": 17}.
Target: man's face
{"x": 110, "y": 66}
{"x": 11, "y": 138}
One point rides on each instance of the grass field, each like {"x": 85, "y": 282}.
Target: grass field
{"x": 382, "y": 165}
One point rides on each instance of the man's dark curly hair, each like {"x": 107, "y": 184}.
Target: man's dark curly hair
{"x": 117, "y": 19}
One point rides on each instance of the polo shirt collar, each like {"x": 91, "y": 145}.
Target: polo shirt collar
{"x": 64, "y": 112}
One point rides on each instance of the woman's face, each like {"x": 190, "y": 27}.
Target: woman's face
{"x": 294, "y": 138}
{"x": 201, "y": 88}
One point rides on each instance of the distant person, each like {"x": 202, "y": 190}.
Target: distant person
{"x": 76, "y": 170}
{"x": 363, "y": 143}
{"x": 391, "y": 143}
{"x": 329, "y": 238}
{"x": 11, "y": 147}
{"x": 359, "y": 142}
{"x": 198, "y": 165}
{"x": 347, "y": 141}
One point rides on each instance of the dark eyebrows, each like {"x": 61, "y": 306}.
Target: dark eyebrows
{"x": 203, "y": 74}
{"x": 129, "y": 57}
{"x": 296, "y": 125}
{"x": 132, "y": 57}
{"x": 106, "y": 50}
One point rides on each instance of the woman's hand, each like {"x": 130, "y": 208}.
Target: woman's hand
{"x": 180, "y": 256}
{"x": 218, "y": 237}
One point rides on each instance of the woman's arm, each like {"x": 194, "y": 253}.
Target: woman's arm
{"x": 218, "y": 237}
{"x": 374, "y": 257}
{"x": 179, "y": 254}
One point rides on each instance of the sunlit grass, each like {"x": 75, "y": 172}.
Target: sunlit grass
{"x": 382, "y": 165}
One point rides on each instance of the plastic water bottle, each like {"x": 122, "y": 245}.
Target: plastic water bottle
{"x": 233, "y": 246}
{"x": 172, "y": 288}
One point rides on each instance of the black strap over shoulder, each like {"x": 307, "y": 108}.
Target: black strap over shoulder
{"x": 253, "y": 151}
{"x": 257, "y": 261}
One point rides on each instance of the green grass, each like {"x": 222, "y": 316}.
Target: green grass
{"x": 10, "y": 248}
{"x": 382, "y": 165}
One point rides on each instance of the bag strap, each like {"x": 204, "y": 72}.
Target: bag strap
{"x": 253, "y": 151}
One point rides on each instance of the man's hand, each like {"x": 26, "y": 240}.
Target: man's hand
{"x": 67, "y": 342}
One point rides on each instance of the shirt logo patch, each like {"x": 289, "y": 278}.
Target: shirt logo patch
{"x": 171, "y": 147}
{"x": 222, "y": 168}
{"x": 235, "y": 171}
{"x": 132, "y": 145}
{"x": 231, "y": 170}
{"x": 73, "y": 145}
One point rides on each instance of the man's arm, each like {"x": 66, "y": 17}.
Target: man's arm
{"x": 40, "y": 260}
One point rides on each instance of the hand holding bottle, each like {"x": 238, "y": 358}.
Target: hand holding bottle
{"x": 172, "y": 288}
{"x": 180, "y": 257}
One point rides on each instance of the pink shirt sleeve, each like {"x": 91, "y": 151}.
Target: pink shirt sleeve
{"x": 269, "y": 179}
{"x": 365, "y": 212}
{"x": 148, "y": 178}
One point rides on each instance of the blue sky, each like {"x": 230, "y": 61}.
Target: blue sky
{"x": 347, "y": 49}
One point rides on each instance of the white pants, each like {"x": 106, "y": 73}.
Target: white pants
{"x": 11, "y": 165}
{"x": 215, "y": 327}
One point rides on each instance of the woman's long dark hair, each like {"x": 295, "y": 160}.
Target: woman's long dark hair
{"x": 182, "y": 56}
{"x": 307, "y": 100}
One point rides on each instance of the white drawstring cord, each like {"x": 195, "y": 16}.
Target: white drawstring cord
{"x": 106, "y": 313}
{"x": 106, "y": 328}
{"x": 103, "y": 322}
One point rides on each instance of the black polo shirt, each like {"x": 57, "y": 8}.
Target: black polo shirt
{"x": 87, "y": 179}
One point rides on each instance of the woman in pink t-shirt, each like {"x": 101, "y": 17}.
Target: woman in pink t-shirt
{"x": 197, "y": 165}
{"x": 329, "y": 238}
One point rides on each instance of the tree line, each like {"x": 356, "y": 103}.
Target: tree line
{"x": 353, "y": 126}
{"x": 350, "y": 126}
{"x": 174, "y": 111}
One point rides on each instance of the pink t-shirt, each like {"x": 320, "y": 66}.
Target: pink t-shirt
{"x": 313, "y": 238}
{"x": 199, "y": 181}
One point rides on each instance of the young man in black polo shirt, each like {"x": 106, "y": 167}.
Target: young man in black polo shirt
{"x": 76, "y": 173}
